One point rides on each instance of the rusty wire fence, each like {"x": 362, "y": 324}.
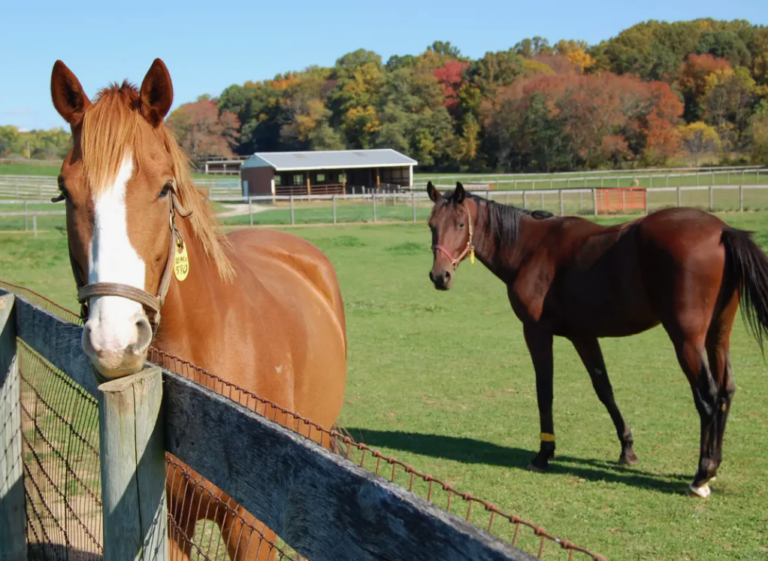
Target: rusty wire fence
{"x": 62, "y": 474}
{"x": 60, "y": 455}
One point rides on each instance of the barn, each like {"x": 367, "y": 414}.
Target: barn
{"x": 330, "y": 172}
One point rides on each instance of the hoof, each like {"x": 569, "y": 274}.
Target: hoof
{"x": 701, "y": 492}
{"x": 536, "y": 469}
{"x": 628, "y": 460}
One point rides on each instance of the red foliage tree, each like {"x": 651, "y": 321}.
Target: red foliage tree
{"x": 606, "y": 117}
{"x": 202, "y": 131}
{"x": 450, "y": 78}
{"x": 662, "y": 136}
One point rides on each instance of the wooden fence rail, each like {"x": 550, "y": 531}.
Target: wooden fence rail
{"x": 324, "y": 506}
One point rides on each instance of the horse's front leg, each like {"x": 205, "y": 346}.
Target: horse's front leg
{"x": 539, "y": 341}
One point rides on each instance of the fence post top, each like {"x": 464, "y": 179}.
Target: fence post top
{"x": 121, "y": 384}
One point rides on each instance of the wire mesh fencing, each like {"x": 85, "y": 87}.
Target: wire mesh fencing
{"x": 60, "y": 455}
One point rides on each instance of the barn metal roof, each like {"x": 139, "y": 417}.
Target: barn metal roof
{"x": 329, "y": 159}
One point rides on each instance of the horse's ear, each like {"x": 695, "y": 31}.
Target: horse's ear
{"x": 67, "y": 94}
{"x": 434, "y": 194}
{"x": 156, "y": 93}
{"x": 459, "y": 194}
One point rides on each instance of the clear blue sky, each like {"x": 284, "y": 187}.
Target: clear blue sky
{"x": 211, "y": 45}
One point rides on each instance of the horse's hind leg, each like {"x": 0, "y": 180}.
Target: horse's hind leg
{"x": 718, "y": 352}
{"x": 592, "y": 357}
{"x": 692, "y": 355}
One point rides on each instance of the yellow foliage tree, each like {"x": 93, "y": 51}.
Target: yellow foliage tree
{"x": 359, "y": 124}
{"x": 581, "y": 59}
{"x": 699, "y": 138}
{"x": 534, "y": 67}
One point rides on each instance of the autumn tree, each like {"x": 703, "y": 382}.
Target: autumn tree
{"x": 727, "y": 103}
{"x": 662, "y": 137}
{"x": 450, "y": 78}
{"x": 528, "y": 48}
{"x": 202, "y": 131}
{"x": 699, "y": 139}
{"x": 693, "y": 81}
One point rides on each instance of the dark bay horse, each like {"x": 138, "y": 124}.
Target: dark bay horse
{"x": 261, "y": 309}
{"x": 682, "y": 268}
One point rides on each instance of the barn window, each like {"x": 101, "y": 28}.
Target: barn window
{"x": 321, "y": 178}
{"x": 298, "y": 179}
{"x": 278, "y": 180}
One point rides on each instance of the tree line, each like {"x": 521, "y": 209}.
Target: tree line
{"x": 50, "y": 144}
{"x": 682, "y": 93}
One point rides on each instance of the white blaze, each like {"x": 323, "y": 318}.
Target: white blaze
{"x": 112, "y": 258}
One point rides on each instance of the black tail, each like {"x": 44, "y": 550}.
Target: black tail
{"x": 748, "y": 266}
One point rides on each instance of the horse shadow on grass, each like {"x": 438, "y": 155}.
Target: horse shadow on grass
{"x": 472, "y": 451}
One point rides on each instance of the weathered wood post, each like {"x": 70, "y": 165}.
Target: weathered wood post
{"x": 133, "y": 467}
{"x": 293, "y": 219}
{"x": 34, "y": 223}
{"x": 374, "y": 206}
{"x": 413, "y": 204}
{"x": 334, "y": 208}
{"x": 13, "y": 522}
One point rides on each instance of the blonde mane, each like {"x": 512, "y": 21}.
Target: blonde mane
{"x": 111, "y": 128}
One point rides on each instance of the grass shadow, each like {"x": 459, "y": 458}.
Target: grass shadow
{"x": 472, "y": 451}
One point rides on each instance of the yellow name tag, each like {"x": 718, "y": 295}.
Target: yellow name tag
{"x": 181, "y": 263}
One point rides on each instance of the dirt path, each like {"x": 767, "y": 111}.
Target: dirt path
{"x": 239, "y": 210}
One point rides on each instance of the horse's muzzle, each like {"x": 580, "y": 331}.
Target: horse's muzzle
{"x": 441, "y": 280}
{"x": 117, "y": 350}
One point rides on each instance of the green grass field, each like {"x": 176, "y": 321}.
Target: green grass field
{"x": 443, "y": 381}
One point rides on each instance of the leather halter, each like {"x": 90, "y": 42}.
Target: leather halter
{"x": 468, "y": 249}
{"x": 149, "y": 302}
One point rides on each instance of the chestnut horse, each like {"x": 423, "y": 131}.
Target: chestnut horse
{"x": 682, "y": 268}
{"x": 261, "y": 309}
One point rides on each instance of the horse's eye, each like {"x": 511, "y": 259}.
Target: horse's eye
{"x": 166, "y": 189}
{"x": 461, "y": 225}
{"x": 63, "y": 193}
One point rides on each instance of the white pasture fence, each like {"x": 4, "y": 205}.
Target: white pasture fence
{"x": 415, "y": 205}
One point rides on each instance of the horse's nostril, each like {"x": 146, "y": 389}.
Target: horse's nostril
{"x": 143, "y": 335}
{"x": 447, "y": 277}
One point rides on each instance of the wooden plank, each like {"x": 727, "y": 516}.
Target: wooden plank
{"x": 322, "y": 505}
{"x": 13, "y": 522}
{"x": 133, "y": 467}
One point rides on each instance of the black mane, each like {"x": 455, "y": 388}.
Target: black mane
{"x": 504, "y": 219}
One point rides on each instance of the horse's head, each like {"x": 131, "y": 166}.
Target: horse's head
{"x": 452, "y": 233}
{"x": 119, "y": 181}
